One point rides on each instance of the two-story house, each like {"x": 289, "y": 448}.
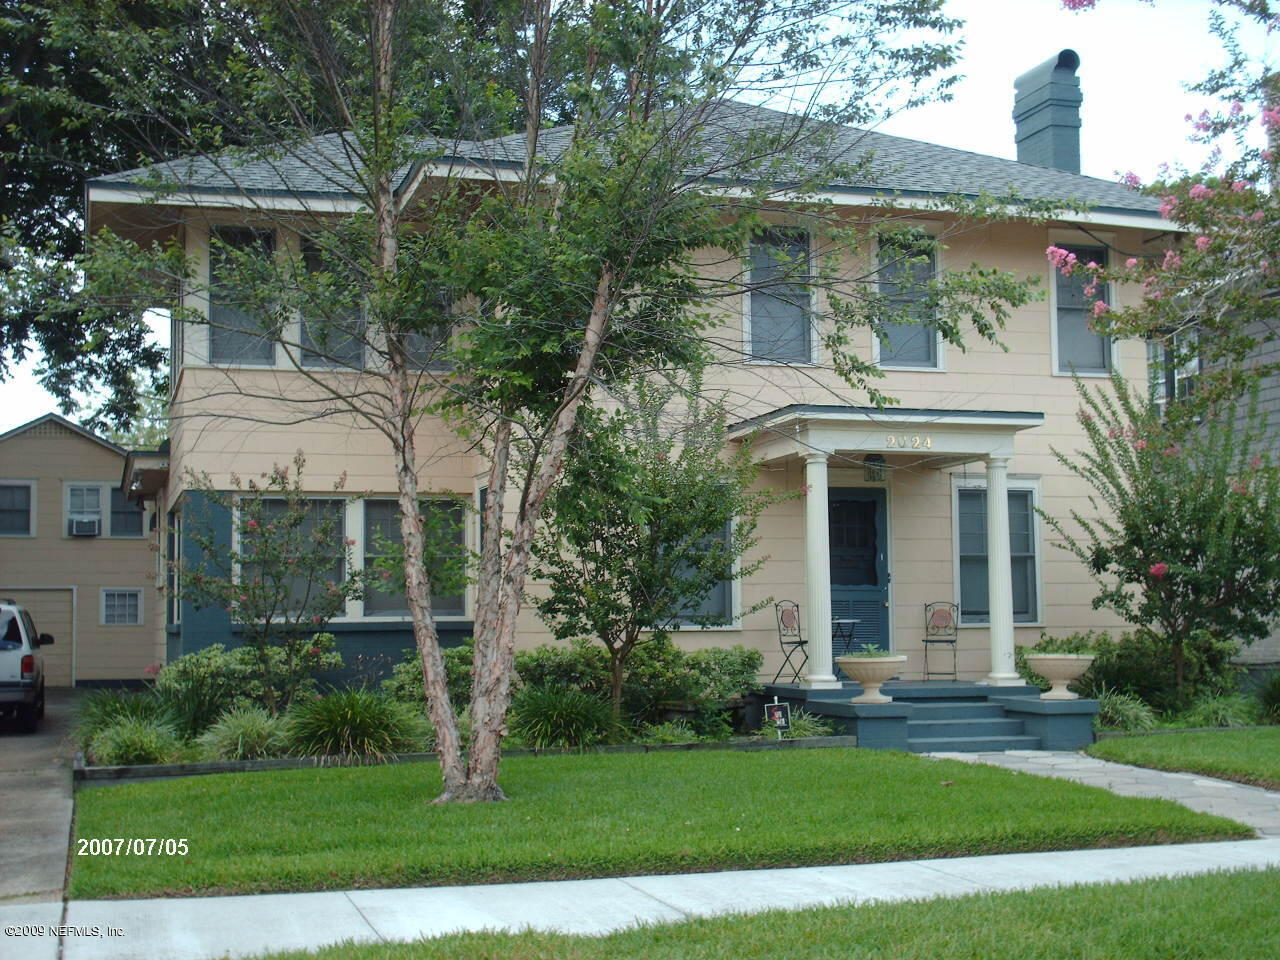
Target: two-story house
{"x": 75, "y": 551}
{"x": 931, "y": 499}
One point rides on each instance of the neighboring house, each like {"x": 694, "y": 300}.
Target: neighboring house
{"x": 74, "y": 550}
{"x": 903, "y": 506}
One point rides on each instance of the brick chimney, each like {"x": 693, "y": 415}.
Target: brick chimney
{"x": 1046, "y": 109}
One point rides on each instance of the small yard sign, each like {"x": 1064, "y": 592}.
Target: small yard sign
{"x": 778, "y": 715}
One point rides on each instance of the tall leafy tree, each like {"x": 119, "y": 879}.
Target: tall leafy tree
{"x": 511, "y": 285}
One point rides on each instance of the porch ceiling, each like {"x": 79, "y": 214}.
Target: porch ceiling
{"x": 936, "y": 438}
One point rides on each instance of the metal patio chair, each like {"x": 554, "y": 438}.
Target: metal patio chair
{"x": 940, "y": 622}
{"x": 790, "y": 639}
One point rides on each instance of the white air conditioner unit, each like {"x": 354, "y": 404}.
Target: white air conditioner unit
{"x": 86, "y": 528}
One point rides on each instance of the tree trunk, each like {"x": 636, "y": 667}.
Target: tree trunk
{"x": 617, "y": 663}
{"x": 495, "y": 628}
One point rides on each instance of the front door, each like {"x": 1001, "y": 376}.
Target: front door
{"x": 859, "y": 564}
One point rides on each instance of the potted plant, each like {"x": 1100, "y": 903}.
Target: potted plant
{"x": 1060, "y": 669}
{"x": 869, "y": 668}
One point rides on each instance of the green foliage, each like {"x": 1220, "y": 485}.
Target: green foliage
{"x": 354, "y": 725}
{"x": 803, "y": 724}
{"x": 1187, "y": 543}
{"x": 405, "y": 682}
{"x": 285, "y": 575}
{"x": 130, "y": 741}
{"x": 725, "y": 673}
{"x": 670, "y": 731}
{"x": 1123, "y": 711}
{"x": 244, "y": 733}
{"x": 1269, "y": 698}
{"x": 1224, "y": 710}
{"x": 647, "y": 523}
{"x": 99, "y": 709}
{"x": 199, "y": 687}
{"x": 559, "y": 717}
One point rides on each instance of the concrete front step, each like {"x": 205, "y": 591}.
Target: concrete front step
{"x": 970, "y": 744}
{"x": 955, "y": 711}
{"x": 955, "y": 729}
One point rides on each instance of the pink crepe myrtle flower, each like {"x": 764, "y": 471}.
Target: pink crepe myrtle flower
{"x": 1202, "y": 243}
{"x": 1139, "y": 444}
{"x": 1131, "y": 180}
{"x": 1168, "y": 206}
{"x": 1131, "y": 262}
{"x": 317, "y": 620}
{"x": 1255, "y": 462}
{"x": 1266, "y": 156}
{"x": 1078, "y": 4}
{"x": 1172, "y": 451}
{"x": 1240, "y": 186}
{"x": 1257, "y": 215}
{"x": 251, "y": 525}
{"x": 1200, "y": 192}
{"x": 1271, "y": 118}
{"x": 1240, "y": 487}
{"x": 350, "y": 542}
{"x": 1236, "y": 108}
{"x": 1099, "y": 308}
{"x": 1086, "y": 416}
{"x": 1114, "y": 433}
{"x": 1172, "y": 260}
{"x": 1063, "y": 260}
{"x": 1158, "y": 570}
{"x": 1203, "y": 124}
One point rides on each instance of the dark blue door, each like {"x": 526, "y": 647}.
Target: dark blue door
{"x": 859, "y": 563}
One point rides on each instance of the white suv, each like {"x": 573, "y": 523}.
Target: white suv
{"x": 21, "y": 666}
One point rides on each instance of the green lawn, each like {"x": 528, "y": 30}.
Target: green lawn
{"x": 1210, "y": 917}
{"x": 597, "y": 815}
{"x": 1249, "y": 756}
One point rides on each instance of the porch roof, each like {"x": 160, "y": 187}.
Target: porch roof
{"x": 938, "y": 438}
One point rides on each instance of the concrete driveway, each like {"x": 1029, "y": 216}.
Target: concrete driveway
{"x": 36, "y": 805}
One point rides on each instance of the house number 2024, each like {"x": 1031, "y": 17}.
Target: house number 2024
{"x": 904, "y": 442}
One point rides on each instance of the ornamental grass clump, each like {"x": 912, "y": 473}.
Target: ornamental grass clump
{"x": 244, "y": 733}
{"x": 101, "y": 709}
{"x": 130, "y": 742}
{"x": 1118, "y": 710}
{"x": 354, "y": 726}
{"x": 560, "y": 717}
{"x": 1234, "y": 710}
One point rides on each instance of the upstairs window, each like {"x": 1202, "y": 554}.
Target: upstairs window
{"x": 336, "y": 338}
{"x": 236, "y": 334}
{"x": 906, "y": 272}
{"x": 126, "y": 515}
{"x": 1080, "y": 348}
{"x": 16, "y": 513}
{"x": 780, "y": 314}
{"x": 84, "y": 510}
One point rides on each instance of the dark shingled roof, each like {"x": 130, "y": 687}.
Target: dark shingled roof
{"x": 326, "y": 165}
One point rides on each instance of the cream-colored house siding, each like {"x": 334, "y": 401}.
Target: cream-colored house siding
{"x": 244, "y": 420}
{"x": 62, "y": 577}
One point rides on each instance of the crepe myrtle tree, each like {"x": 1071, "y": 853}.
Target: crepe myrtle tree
{"x": 284, "y": 575}
{"x": 650, "y": 518}
{"x": 511, "y": 290}
{"x": 1186, "y": 542}
{"x": 1208, "y": 295}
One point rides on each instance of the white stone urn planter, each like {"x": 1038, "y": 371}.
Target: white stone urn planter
{"x": 870, "y": 673}
{"x": 1059, "y": 669}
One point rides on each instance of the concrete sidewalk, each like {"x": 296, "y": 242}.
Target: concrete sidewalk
{"x": 211, "y": 927}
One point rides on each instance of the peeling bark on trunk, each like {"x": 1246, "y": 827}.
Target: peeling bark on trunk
{"x": 502, "y": 579}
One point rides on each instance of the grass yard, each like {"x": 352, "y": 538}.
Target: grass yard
{"x": 1248, "y": 756}
{"x": 1188, "y": 918}
{"x": 597, "y": 815}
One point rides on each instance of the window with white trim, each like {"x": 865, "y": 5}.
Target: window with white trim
{"x": 321, "y": 514}
{"x": 1080, "y": 348}
{"x": 444, "y": 539}
{"x": 780, "y": 314}
{"x": 17, "y": 508}
{"x": 1173, "y": 367}
{"x": 236, "y": 334}
{"x": 121, "y": 607}
{"x": 971, "y": 553}
{"x": 906, "y": 272}
{"x": 334, "y": 338}
{"x": 84, "y": 509}
{"x": 126, "y": 515}
{"x": 717, "y": 605}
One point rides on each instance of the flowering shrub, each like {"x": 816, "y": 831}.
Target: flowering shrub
{"x": 286, "y": 573}
{"x": 1188, "y": 544}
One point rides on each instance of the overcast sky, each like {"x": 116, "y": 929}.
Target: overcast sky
{"x": 1134, "y": 61}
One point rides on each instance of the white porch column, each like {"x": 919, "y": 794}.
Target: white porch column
{"x": 817, "y": 574}
{"x": 999, "y": 575}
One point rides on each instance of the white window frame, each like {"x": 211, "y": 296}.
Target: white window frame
{"x": 1029, "y": 482}
{"x": 940, "y": 345}
{"x": 1092, "y": 239}
{"x": 735, "y": 600}
{"x": 747, "y": 347}
{"x": 31, "y": 485}
{"x": 102, "y": 606}
{"x": 105, "y": 531}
